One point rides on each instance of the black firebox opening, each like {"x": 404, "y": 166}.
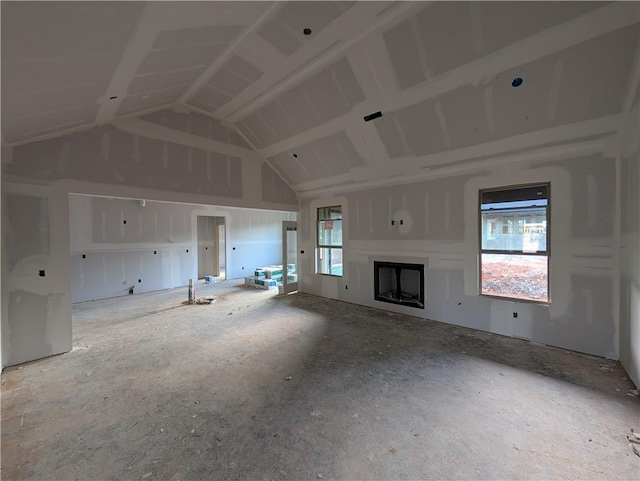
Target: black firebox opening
{"x": 399, "y": 283}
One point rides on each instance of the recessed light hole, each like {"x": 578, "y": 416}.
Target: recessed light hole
{"x": 307, "y": 31}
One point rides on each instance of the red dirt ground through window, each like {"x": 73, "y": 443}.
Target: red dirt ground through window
{"x": 522, "y": 277}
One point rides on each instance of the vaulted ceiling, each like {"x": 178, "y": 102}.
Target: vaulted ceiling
{"x": 455, "y": 81}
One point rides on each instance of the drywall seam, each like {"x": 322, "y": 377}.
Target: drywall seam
{"x": 363, "y": 71}
{"x": 262, "y": 157}
{"x": 379, "y": 62}
{"x": 362, "y": 137}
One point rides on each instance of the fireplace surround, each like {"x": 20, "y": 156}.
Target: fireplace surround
{"x": 399, "y": 283}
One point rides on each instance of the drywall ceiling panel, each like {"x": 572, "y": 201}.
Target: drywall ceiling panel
{"x": 45, "y": 123}
{"x": 325, "y": 157}
{"x": 180, "y": 58}
{"x": 503, "y": 23}
{"x": 226, "y": 80}
{"x": 389, "y": 130}
{"x": 256, "y": 131}
{"x": 439, "y": 38}
{"x": 517, "y": 110}
{"x": 422, "y": 129}
{"x": 417, "y": 130}
{"x": 333, "y": 92}
{"x": 294, "y": 168}
{"x": 299, "y": 106}
{"x": 579, "y": 83}
{"x": 405, "y": 55}
{"x": 465, "y": 115}
{"x": 243, "y": 69}
{"x": 274, "y": 189}
{"x": 235, "y": 75}
{"x": 145, "y": 101}
{"x": 285, "y": 30}
{"x": 160, "y": 81}
{"x": 41, "y": 56}
{"x": 594, "y": 75}
{"x": 208, "y": 98}
{"x": 216, "y": 35}
{"x": 196, "y": 124}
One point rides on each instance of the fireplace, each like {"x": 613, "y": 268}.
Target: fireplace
{"x": 399, "y": 283}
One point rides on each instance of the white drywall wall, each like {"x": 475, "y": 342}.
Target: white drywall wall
{"x": 157, "y": 247}
{"x": 630, "y": 242}
{"x": 440, "y": 230}
{"x": 36, "y": 298}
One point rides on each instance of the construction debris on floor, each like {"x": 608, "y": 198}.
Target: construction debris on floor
{"x": 270, "y": 277}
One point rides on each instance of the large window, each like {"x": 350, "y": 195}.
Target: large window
{"x": 329, "y": 252}
{"x": 514, "y": 242}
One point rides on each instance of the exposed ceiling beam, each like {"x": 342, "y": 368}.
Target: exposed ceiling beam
{"x": 351, "y": 27}
{"x": 160, "y": 132}
{"x": 604, "y": 20}
{"x": 137, "y": 48}
{"x": 537, "y": 155}
{"x": 416, "y": 165}
{"x": 217, "y": 63}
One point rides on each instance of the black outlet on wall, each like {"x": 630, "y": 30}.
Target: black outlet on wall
{"x": 41, "y": 273}
{"x": 515, "y": 314}
{"x": 124, "y": 221}
{"x": 234, "y": 248}
{"x": 155, "y": 252}
{"x": 84, "y": 256}
{"x": 139, "y": 280}
{"x": 187, "y": 251}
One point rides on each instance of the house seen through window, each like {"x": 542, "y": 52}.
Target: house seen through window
{"x": 514, "y": 242}
{"x": 329, "y": 252}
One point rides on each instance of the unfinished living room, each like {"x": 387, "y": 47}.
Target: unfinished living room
{"x": 320, "y": 240}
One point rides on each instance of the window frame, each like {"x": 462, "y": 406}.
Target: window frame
{"x": 319, "y": 246}
{"x": 546, "y": 253}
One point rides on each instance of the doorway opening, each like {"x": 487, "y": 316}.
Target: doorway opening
{"x": 211, "y": 248}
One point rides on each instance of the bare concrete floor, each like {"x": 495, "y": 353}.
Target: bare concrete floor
{"x": 260, "y": 386}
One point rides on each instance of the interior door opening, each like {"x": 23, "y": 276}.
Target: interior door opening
{"x": 289, "y": 256}
{"x": 211, "y": 248}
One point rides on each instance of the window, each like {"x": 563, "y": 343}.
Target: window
{"x": 329, "y": 252}
{"x": 514, "y": 263}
